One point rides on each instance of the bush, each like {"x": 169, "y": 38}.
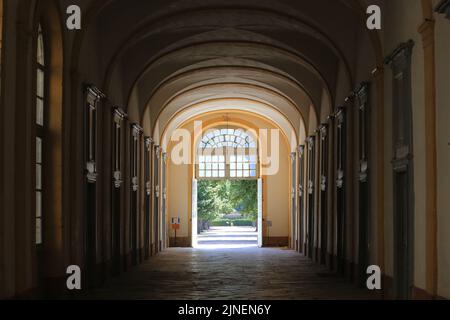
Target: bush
{"x": 234, "y": 222}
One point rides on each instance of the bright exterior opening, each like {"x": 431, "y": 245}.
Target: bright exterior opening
{"x": 227, "y": 214}
{"x": 227, "y": 211}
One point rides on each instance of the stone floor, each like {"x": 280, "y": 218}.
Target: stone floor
{"x": 247, "y": 273}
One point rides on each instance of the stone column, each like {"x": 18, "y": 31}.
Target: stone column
{"x": 378, "y": 75}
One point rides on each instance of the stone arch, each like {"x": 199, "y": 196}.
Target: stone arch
{"x": 251, "y": 106}
{"x": 246, "y": 121}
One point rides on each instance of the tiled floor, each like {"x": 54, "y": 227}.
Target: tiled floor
{"x": 247, "y": 273}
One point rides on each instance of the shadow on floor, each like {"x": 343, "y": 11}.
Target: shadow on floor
{"x": 228, "y": 274}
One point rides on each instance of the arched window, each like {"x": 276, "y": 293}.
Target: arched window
{"x": 40, "y": 125}
{"x": 227, "y": 154}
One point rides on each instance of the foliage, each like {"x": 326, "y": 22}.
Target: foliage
{"x": 219, "y": 197}
{"x": 212, "y": 200}
{"x": 243, "y": 196}
{"x": 234, "y": 222}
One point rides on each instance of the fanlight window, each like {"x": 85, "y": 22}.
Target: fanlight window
{"x": 233, "y": 138}
{"x": 227, "y": 154}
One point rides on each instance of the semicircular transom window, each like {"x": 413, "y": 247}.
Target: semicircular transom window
{"x": 227, "y": 154}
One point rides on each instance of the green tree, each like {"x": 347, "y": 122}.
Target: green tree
{"x": 216, "y": 197}
{"x": 243, "y": 195}
{"x": 208, "y": 203}
{"x": 226, "y": 206}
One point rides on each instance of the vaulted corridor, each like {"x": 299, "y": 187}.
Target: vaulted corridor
{"x": 323, "y": 123}
{"x": 224, "y": 274}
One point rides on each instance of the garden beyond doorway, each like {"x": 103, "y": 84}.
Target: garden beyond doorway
{"x": 227, "y": 213}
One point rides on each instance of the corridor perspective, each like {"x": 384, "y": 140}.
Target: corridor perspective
{"x": 225, "y": 149}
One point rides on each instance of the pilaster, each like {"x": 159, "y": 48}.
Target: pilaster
{"x": 426, "y": 30}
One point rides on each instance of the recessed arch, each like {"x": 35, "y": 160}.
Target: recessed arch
{"x": 358, "y": 8}
{"x": 162, "y": 137}
{"x": 220, "y": 92}
{"x": 294, "y": 15}
{"x": 303, "y": 24}
{"x": 232, "y": 79}
{"x": 226, "y": 119}
{"x": 306, "y": 77}
{"x": 285, "y": 11}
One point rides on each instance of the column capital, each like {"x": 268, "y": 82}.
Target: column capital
{"x": 400, "y": 55}
{"x": 119, "y": 114}
{"x": 310, "y": 142}
{"x": 378, "y": 72}
{"x": 339, "y": 116}
{"x": 426, "y": 29}
{"x": 148, "y": 142}
{"x": 293, "y": 156}
{"x": 301, "y": 150}
{"x": 136, "y": 129}
{"x": 323, "y": 131}
{"x": 94, "y": 91}
{"x": 350, "y": 98}
{"x": 362, "y": 89}
{"x": 443, "y": 7}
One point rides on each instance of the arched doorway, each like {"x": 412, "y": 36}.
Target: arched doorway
{"x": 228, "y": 155}
{"x": 267, "y": 162}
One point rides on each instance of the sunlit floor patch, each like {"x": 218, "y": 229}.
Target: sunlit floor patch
{"x": 228, "y": 238}
{"x": 225, "y": 246}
